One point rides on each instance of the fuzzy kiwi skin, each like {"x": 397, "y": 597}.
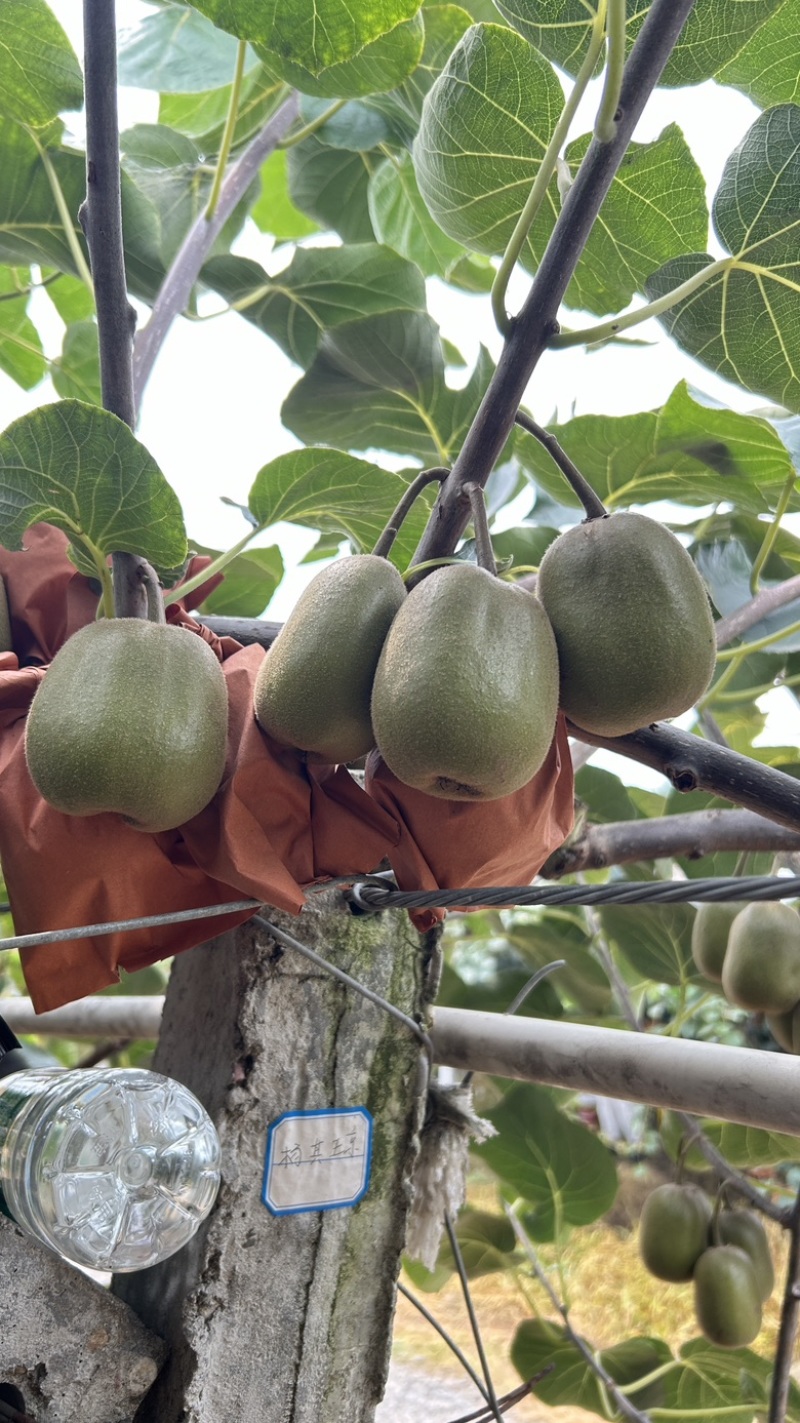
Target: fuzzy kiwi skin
{"x": 785, "y": 1028}
{"x": 632, "y": 622}
{"x": 727, "y": 1301}
{"x": 313, "y": 689}
{"x": 465, "y": 697}
{"x": 131, "y": 717}
{"x": 673, "y": 1230}
{"x": 710, "y": 933}
{"x": 762, "y": 962}
{"x": 743, "y": 1228}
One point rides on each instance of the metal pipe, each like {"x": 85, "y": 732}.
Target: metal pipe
{"x": 760, "y": 1089}
{"x": 133, "y": 1017}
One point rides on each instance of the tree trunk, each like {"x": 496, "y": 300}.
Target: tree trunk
{"x": 288, "y": 1317}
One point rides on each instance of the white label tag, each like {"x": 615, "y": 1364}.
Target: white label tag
{"x": 317, "y": 1161}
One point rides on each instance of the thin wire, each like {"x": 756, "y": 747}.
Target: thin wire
{"x": 288, "y": 942}
{"x": 119, "y": 926}
{"x": 373, "y": 899}
{"x": 491, "y": 1396}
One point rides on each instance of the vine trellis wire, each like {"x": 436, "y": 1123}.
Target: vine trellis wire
{"x": 372, "y": 895}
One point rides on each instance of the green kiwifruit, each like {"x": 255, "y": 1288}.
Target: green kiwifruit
{"x": 785, "y": 1028}
{"x": 673, "y": 1230}
{"x": 727, "y": 1302}
{"x": 465, "y": 696}
{"x": 313, "y": 688}
{"x": 712, "y": 925}
{"x": 6, "y": 644}
{"x": 632, "y": 622}
{"x": 131, "y": 717}
{"x": 743, "y": 1228}
{"x": 762, "y": 963}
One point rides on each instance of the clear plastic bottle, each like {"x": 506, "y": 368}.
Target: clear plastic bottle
{"x": 115, "y": 1168}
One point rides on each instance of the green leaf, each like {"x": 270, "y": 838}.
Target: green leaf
{"x": 562, "y": 935}
{"x": 767, "y": 67}
{"x": 322, "y": 288}
{"x": 318, "y": 36}
{"x": 444, "y": 26}
{"x": 70, "y": 296}
{"x": 379, "y": 66}
{"x": 687, "y": 451}
{"x": 484, "y": 129}
{"x": 327, "y": 490}
{"x": 485, "y": 125}
{"x": 571, "y": 1382}
{"x": 712, "y": 1378}
{"x": 556, "y": 1164}
{"x": 743, "y": 1147}
{"x": 30, "y": 226}
{"x": 330, "y": 185}
{"x": 605, "y": 797}
{"x": 486, "y": 1242}
{"x": 743, "y": 322}
{"x": 714, "y": 32}
{"x": 655, "y": 209}
{"x": 21, "y": 354}
{"x": 654, "y": 938}
{"x": 401, "y": 219}
{"x": 83, "y": 470}
{"x": 379, "y": 383}
{"x": 274, "y": 211}
{"x": 202, "y": 116}
{"x": 250, "y": 581}
{"x": 726, "y": 570}
{"x": 39, "y": 72}
{"x": 494, "y": 994}
{"x": 76, "y": 373}
{"x": 177, "y": 50}
{"x": 526, "y": 544}
{"x": 355, "y": 127}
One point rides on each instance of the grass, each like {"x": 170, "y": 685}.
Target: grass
{"x": 611, "y": 1297}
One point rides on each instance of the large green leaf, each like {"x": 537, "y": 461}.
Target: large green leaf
{"x": 557, "y": 1165}
{"x": 562, "y": 935}
{"x": 712, "y": 1378}
{"x": 330, "y": 185}
{"x": 321, "y": 288}
{"x": 177, "y": 50}
{"x": 82, "y": 469}
{"x": 379, "y": 383}
{"x": 21, "y": 354}
{"x": 486, "y": 1242}
{"x": 328, "y": 490}
{"x": 744, "y": 321}
{"x": 379, "y": 66}
{"x": 444, "y": 26}
{"x": 202, "y": 116}
{"x": 274, "y": 211}
{"x": 571, "y": 1382}
{"x": 687, "y": 451}
{"x": 715, "y": 32}
{"x": 39, "y": 73}
{"x": 70, "y": 296}
{"x": 250, "y": 581}
{"x": 746, "y": 1148}
{"x": 76, "y": 372}
{"x": 316, "y": 36}
{"x": 767, "y": 67}
{"x": 485, "y": 125}
{"x": 401, "y": 219}
{"x": 494, "y": 994}
{"x": 30, "y": 225}
{"x": 727, "y": 572}
{"x": 654, "y": 938}
{"x": 655, "y": 208}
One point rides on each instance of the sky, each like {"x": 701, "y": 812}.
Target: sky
{"x": 211, "y": 413}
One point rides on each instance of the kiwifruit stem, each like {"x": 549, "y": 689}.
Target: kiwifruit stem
{"x": 387, "y": 538}
{"x": 483, "y": 543}
{"x": 152, "y": 591}
{"x": 595, "y": 509}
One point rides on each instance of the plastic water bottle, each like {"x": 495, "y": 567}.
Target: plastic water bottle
{"x": 115, "y": 1168}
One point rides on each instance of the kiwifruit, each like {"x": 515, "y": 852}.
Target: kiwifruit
{"x": 785, "y": 1028}
{"x": 673, "y": 1230}
{"x": 762, "y": 963}
{"x": 313, "y": 688}
{"x": 743, "y": 1228}
{"x": 632, "y": 622}
{"x": 712, "y": 924}
{"x": 131, "y": 716}
{"x": 465, "y": 696}
{"x": 727, "y": 1301}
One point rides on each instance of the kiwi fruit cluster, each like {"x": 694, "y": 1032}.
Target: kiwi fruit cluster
{"x": 726, "y": 1256}
{"x": 458, "y": 682}
{"x": 753, "y": 951}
